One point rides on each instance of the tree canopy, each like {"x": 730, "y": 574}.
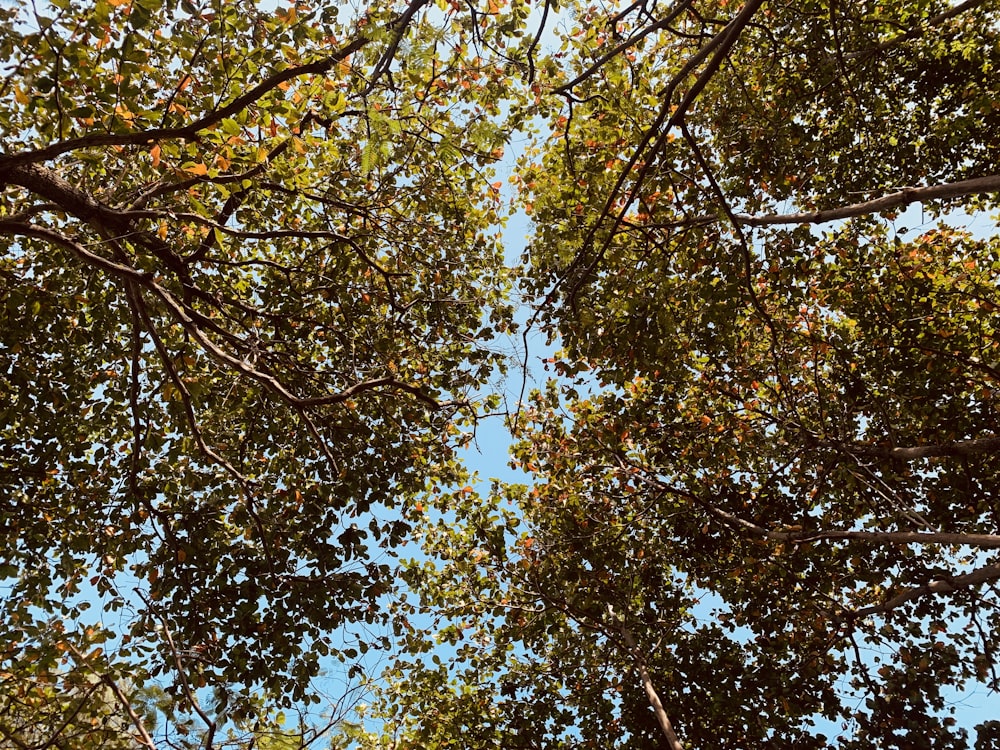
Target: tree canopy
{"x": 258, "y": 297}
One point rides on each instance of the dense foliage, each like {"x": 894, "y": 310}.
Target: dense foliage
{"x": 245, "y": 277}
{"x": 255, "y": 302}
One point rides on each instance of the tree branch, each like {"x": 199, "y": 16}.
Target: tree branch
{"x": 182, "y": 315}
{"x": 916, "y": 31}
{"x": 983, "y": 541}
{"x": 977, "y": 447}
{"x": 797, "y": 536}
{"x": 398, "y": 26}
{"x": 647, "y": 685}
{"x": 99, "y": 261}
{"x": 140, "y": 728}
{"x": 630, "y": 42}
{"x": 45, "y": 183}
{"x": 182, "y": 674}
{"x": 940, "y": 586}
{"x": 669, "y": 116}
{"x": 187, "y": 132}
{"x": 899, "y": 199}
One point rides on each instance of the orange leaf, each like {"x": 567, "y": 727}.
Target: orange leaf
{"x": 155, "y": 153}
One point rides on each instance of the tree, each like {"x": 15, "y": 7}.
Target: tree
{"x": 251, "y": 279}
{"x": 763, "y": 482}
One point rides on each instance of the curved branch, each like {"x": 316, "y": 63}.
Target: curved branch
{"x": 142, "y": 735}
{"x": 187, "y": 132}
{"x": 367, "y": 385}
{"x": 398, "y": 26}
{"x": 717, "y": 50}
{"x": 180, "y": 312}
{"x": 630, "y": 42}
{"x": 916, "y": 31}
{"x": 189, "y": 693}
{"x": 24, "y": 229}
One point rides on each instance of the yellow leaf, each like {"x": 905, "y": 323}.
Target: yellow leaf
{"x": 199, "y": 169}
{"x": 125, "y": 113}
{"x": 21, "y": 97}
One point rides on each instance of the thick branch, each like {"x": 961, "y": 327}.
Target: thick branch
{"x": 647, "y": 685}
{"x": 892, "y": 201}
{"x": 47, "y": 184}
{"x": 796, "y": 536}
{"x": 976, "y": 447}
{"x": 948, "y": 585}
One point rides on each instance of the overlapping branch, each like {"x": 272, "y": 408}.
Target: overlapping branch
{"x": 50, "y": 186}
{"x": 715, "y": 51}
